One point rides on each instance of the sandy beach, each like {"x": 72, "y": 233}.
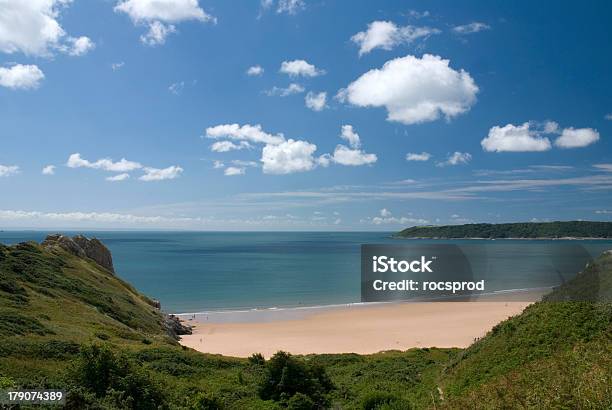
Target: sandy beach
{"x": 355, "y": 329}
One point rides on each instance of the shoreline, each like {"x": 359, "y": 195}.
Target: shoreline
{"x": 568, "y": 238}
{"x": 361, "y": 329}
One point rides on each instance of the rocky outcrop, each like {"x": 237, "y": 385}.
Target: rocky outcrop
{"x": 82, "y": 247}
{"x": 175, "y": 327}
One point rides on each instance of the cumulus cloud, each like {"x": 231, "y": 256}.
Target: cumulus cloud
{"x": 118, "y": 178}
{"x": 577, "y": 137}
{"x": 530, "y": 136}
{"x": 232, "y": 171}
{"x": 291, "y": 89}
{"x": 515, "y": 138}
{"x": 21, "y": 77}
{"x": 225, "y": 146}
{"x": 79, "y": 46}
{"x": 8, "y": 170}
{"x": 608, "y": 116}
{"x": 297, "y": 68}
{"x": 255, "y": 70}
{"x": 161, "y": 16}
{"x": 386, "y": 35}
{"x": 456, "y": 158}
{"x": 176, "y": 88}
{"x": 413, "y": 156}
{"x": 288, "y": 157}
{"x": 385, "y": 213}
{"x": 470, "y": 28}
{"x": 32, "y": 28}
{"x": 247, "y": 132}
{"x": 414, "y": 90}
{"x": 49, "y": 170}
{"x": 161, "y": 174}
{"x": 316, "y": 101}
{"x": 76, "y": 161}
{"x": 352, "y": 155}
{"x": 218, "y": 164}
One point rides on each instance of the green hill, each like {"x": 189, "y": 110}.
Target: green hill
{"x": 530, "y": 230}
{"x": 68, "y": 322}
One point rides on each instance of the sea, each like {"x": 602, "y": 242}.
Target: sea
{"x": 235, "y": 271}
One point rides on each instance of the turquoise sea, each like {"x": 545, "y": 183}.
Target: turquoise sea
{"x": 208, "y": 271}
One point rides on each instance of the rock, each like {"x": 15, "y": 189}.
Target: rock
{"x": 82, "y": 247}
{"x": 155, "y": 303}
{"x": 175, "y": 327}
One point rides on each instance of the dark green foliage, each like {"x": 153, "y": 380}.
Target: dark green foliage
{"x": 107, "y": 374}
{"x": 12, "y": 322}
{"x": 206, "y": 402}
{"x": 286, "y": 375}
{"x": 384, "y": 401}
{"x": 257, "y": 359}
{"x": 300, "y": 401}
{"x": 574, "y": 229}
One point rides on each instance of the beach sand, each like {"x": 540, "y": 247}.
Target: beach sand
{"x": 355, "y": 329}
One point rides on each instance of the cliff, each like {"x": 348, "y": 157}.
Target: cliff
{"x": 82, "y": 247}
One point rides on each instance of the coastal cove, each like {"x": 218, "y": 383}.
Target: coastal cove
{"x": 241, "y": 271}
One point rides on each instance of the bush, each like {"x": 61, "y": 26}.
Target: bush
{"x": 384, "y": 401}
{"x": 300, "y": 401}
{"x": 286, "y": 375}
{"x": 115, "y": 378}
{"x": 257, "y": 359}
{"x": 206, "y": 402}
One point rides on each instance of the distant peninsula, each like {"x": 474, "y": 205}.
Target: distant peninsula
{"x": 524, "y": 230}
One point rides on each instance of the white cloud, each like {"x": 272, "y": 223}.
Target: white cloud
{"x": 157, "y": 33}
{"x": 32, "y": 27}
{"x": 49, "y": 170}
{"x": 386, "y": 35}
{"x": 100, "y": 217}
{"x": 474, "y": 27}
{"x": 80, "y": 46}
{"x": 577, "y": 137}
{"x": 344, "y": 155}
{"x": 290, "y": 6}
{"x": 608, "y": 116}
{"x": 413, "y": 156}
{"x": 247, "y": 132}
{"x": 24, "y": 77}
{"x": 352, "y": 156}
{"x": 348, "y": 133}
{"x": 298, "y": 68}
{"x": 387, "y": 218}
{"x": 551, "y": 127}
{"x": 414, "y": 90}
{"x": 293, "y": 88}
{"x": 119, "y": 177}
{"x": 106, "y": 164}
{"x": 456, "y": 158}
{"x": 218, "y": 164}
{"x": 117, "y": 66}
{"x": 288, "y": 157}
{"x": 255, "y": 70}
{"x": 161, "y": 15}
{"x": 225, "y": 146}
{"x": 8, "y": 170}
{"x": 176, "y": 88}
{"x": 603, "y": 167}
{"x": 316, "y": 101}
{"x": 242, "y": 163}
{"x": 157, "y": 174}
{"x": 515, "y": 138}
{"x": 232, "y": 171}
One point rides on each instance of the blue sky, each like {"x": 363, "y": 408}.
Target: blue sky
{"x": 503, "y": 108}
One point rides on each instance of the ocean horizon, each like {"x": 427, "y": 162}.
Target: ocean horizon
{"x": 189, "y": 271}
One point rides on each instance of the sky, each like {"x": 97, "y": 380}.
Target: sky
{"x": 303, "y": 114}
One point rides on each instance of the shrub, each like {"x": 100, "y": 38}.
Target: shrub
{"x": 206, "y": 402}
{"x": 286, "y": 375}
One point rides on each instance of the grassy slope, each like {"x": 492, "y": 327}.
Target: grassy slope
{"x": 576, "y": 229}
{"x": 53, "y": 303}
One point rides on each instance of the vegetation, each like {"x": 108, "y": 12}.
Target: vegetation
{"x": 66, "y": 323}
{"x": 530, "y": 230}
